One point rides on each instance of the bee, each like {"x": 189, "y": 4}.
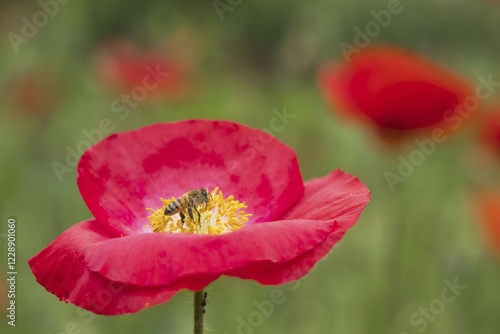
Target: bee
{"x": 189, "y": 203}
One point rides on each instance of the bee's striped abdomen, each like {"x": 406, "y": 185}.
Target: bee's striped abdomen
{"x": 188, "y": 204}
{"x": 174, "y": 207}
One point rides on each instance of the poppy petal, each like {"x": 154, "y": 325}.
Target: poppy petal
{"x": 263, "y": 252}
{"x": 155, "y": 259}
{"x": 336, "y": 200}
{"x": 126, "y": 173}
{"x": 338, "y": 196}
{"x": 61, "y": 269}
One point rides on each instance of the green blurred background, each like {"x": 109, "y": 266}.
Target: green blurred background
{"x": 259, "y": 57}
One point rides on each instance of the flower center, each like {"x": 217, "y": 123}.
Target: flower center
{"x": 216, "y": 215}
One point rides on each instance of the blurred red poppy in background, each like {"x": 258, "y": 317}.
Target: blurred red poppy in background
{"x": 489, "y": 210}
{"x": 489, "y": 132}
{"x": 395, "y": 90}
{"x": 34, "y": 92}
{"x": 123, "y": 67}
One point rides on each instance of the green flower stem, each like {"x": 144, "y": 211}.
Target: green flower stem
{"x": 198, "y": 312}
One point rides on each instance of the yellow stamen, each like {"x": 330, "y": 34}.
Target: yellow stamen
{"x": 221, "y": 215}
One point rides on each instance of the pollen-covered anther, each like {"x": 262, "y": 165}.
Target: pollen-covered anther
{"x": 221, "y": 215}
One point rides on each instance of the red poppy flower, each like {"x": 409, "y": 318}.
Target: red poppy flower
{"x": 272, "y": 228}
{"x": 489, "y": 205}
{"x": 123, "y": 67}
{"x": 393, "y": 89}
{"x": 489, "y": 132}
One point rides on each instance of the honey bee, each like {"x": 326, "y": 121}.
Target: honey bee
{"x": 189, "y": 203}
